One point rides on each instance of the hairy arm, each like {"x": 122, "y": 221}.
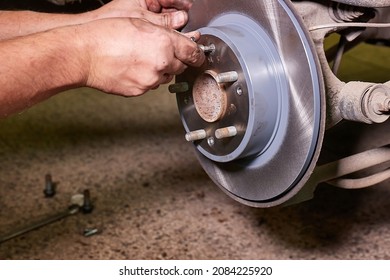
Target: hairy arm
{"x": 120, "y": 56}
{"x": 35, "y": 67}
{"x": 21, "y": 23}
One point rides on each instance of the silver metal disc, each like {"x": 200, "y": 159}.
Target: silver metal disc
{"x": 278, "y": 172}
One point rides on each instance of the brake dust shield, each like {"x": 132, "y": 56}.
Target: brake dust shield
{"x": 255, "y": 109}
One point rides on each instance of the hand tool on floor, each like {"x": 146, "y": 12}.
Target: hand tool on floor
{"x": 73, "y": 209}
{"x": 79, "y": 203}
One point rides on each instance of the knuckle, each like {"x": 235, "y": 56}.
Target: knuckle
{"x": 161, "y": 64}
{"x": 166, "y": 19}
{"x": 195, "y": 56}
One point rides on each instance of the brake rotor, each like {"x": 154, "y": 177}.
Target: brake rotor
{"x": 255, "y": 109}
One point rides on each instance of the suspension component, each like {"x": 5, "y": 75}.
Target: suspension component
{"x": 365, "y": 102}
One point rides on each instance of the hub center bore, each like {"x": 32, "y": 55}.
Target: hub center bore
{"x": 209, "y": 97}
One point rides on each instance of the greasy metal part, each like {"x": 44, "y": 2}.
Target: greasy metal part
{"x": 359, "y": 183}
{"x": 383, "y": 34}
{"x": 50, "y": 186}
{"x": 333, "y": 172}
{"x": 327, "y": 13}
{"x": 284, "y": 93}
{"x": 352, "y": 25}
{"x": 351, "y": 164}
{"x": 365, "y": 102}
{"x": 342, "y": 12}
{"x": 372, "y": 108}
{"x": 366, "y": 3}
{"x": 339, "y": 55}
{"x": 178, "y": 87}
{"x": 74, "y": 209}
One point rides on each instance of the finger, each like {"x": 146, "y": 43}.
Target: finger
{"x": 168, "y": 10}
{"x": 187, "y": 51}
{"x": 153, "y": 6}
{"x": 194, "y": 35}
{"x": 176, "y": 67}
{"x": 177, "y": 4}
{"x": 172, "y": 20}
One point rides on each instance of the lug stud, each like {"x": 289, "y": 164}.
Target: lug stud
{"x": 178, "y": 87}
{"x": 226, "y": 132}
{"x": 196, "y": 135}
{"x": 227, "y": 77}
{"x": 207, "y": 49}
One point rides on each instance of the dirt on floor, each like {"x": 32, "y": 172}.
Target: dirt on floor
{"x": 152, "y": 199}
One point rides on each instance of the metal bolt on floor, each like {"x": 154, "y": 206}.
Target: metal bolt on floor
{"x": 50, "y": 188}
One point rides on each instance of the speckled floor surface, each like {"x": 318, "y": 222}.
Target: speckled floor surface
{"x": 152, "y": 199}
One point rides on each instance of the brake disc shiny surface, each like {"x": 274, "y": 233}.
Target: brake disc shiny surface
{"x": 271, "y": 103}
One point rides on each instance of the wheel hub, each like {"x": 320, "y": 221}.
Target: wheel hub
{"x": 230, "y": 100}
{"x": 254, "y": 109}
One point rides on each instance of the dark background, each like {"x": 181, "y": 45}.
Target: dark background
{"x": 45, "y": 6}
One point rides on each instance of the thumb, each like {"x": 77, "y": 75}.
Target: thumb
{"x": 174, "y": 20}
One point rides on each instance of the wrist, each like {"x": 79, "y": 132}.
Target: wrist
{"x": 37, "y": 66}
{"x": 65, "y": 53}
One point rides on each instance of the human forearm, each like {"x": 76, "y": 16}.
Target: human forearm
{"x": 21, "y": 23}
{"x": 119, "y": 56}
{"x": 35, "y": 67}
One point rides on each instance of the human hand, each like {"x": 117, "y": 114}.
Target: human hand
{"x": 167, "y": 13}
{"x": 131, "y": 56}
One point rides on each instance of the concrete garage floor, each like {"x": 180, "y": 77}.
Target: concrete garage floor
{"x": 152, "y": 199}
